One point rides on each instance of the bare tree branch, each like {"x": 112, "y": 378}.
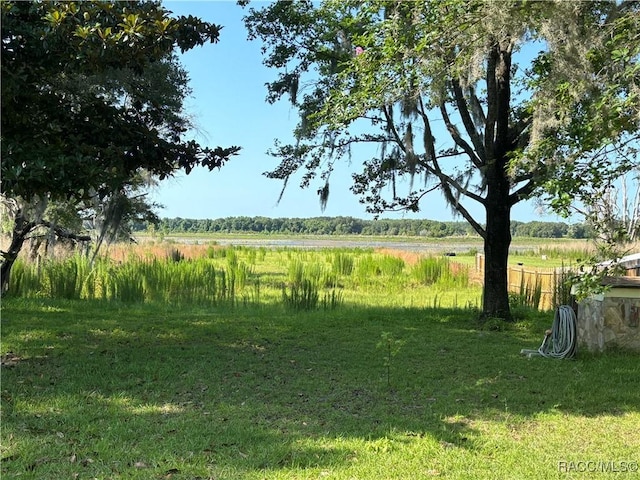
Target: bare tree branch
{"x": 467, "y": 121}
{"x": 523, "y": 192}
{"x": 457, "y": 138}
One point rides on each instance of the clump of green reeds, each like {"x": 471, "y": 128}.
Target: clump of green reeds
{"x": 570, "y": 252}
{"x": 134, "y": 280}
{"x": 70, "y": 278}
{"x": 295, "y": 272}
{"x": 301, "y": 296}
{"x": 305, "y": 282}
{"x": 62, "y": 278}
{"x": 371, "y": 266}
{"x": 251, "y": 296}
{"x": 213, "y": 251}
{"x": 25, "y": 280}
{"x": 332, "y": 299}
{"x": 342, "y": 263}
{"x": 440, "y": 271}
{"x": 125, "y": 283}
{"x": 195, "y": 281}
{"x": 391, "y": 266}
{"x": 563, "y": 280}
{"x": 529, "y": 294}
{"x": 176, "y": 255}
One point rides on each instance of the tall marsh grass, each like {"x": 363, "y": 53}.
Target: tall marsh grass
{"x": 65, "y": 278}
{"x": 171, "y": 280}
{"x": 213, "y": 275}
{"x": 440, "y": 271}
{"x": 569, "y": 252}
{"x": 25, "y": 279}
{"x": 371, "y": 266}
{"x": 307, "y": 284}
{"x": 562, "y": 290}
{"x": 342, "y": 263}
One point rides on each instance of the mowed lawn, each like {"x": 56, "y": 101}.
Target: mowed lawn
{"x": 106, "y": 390}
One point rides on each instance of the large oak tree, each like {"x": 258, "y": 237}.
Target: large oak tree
{"x": 453, "y": 94}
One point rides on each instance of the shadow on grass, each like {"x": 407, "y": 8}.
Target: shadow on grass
{"x": 158, "y": 390}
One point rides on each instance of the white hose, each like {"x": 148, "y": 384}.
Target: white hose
{"x": 560, "y": 342}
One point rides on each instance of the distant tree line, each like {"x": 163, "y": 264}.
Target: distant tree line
{"x": 353, "y": 226}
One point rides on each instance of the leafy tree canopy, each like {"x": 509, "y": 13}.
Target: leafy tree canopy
{"x": 92, "y": 101}
{"x": 587, "y": 99}
{"x": 92, "y": 93}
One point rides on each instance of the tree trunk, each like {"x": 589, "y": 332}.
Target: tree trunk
{"x": 495, "y": 300}
{"x": 498, "y": 201}
{"x": 21, "y": 228}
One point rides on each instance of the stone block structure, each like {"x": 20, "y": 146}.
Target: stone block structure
{"x": 611, "y": 320}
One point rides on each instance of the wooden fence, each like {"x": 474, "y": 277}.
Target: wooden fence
{"x": 542, "y": 286}
{"x": 539, "y": 286}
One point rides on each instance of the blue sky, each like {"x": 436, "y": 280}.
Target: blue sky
{"x": 229, "y": 108}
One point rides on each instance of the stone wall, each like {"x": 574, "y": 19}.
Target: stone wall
{"x": 610, "y": 320}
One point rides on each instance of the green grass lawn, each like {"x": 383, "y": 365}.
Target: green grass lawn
{"x": 151, "y": 391}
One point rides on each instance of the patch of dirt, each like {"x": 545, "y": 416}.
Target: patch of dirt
{"x": 9, "y": 359}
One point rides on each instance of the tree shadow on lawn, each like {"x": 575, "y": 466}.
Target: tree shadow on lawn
{"x": 191, "y": 391}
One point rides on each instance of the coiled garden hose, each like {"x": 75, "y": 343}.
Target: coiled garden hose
{"x": 560, "y": 341}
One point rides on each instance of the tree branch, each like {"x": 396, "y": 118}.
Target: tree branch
{"x": 492, "y": 103}
{"x": 457, "y": 138}
{"x": 433, "y": 166}
{"x": 455, "y": 184}
{"x": 63, "y": 233}
{"x": 476, "y": 108}
{"x": 523, "y": 192}
{"x": 447, "y": 182}
{"x": 462, "y": 210}
{"x": 428, "y": 139}
{"x": 467, "y": 121}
